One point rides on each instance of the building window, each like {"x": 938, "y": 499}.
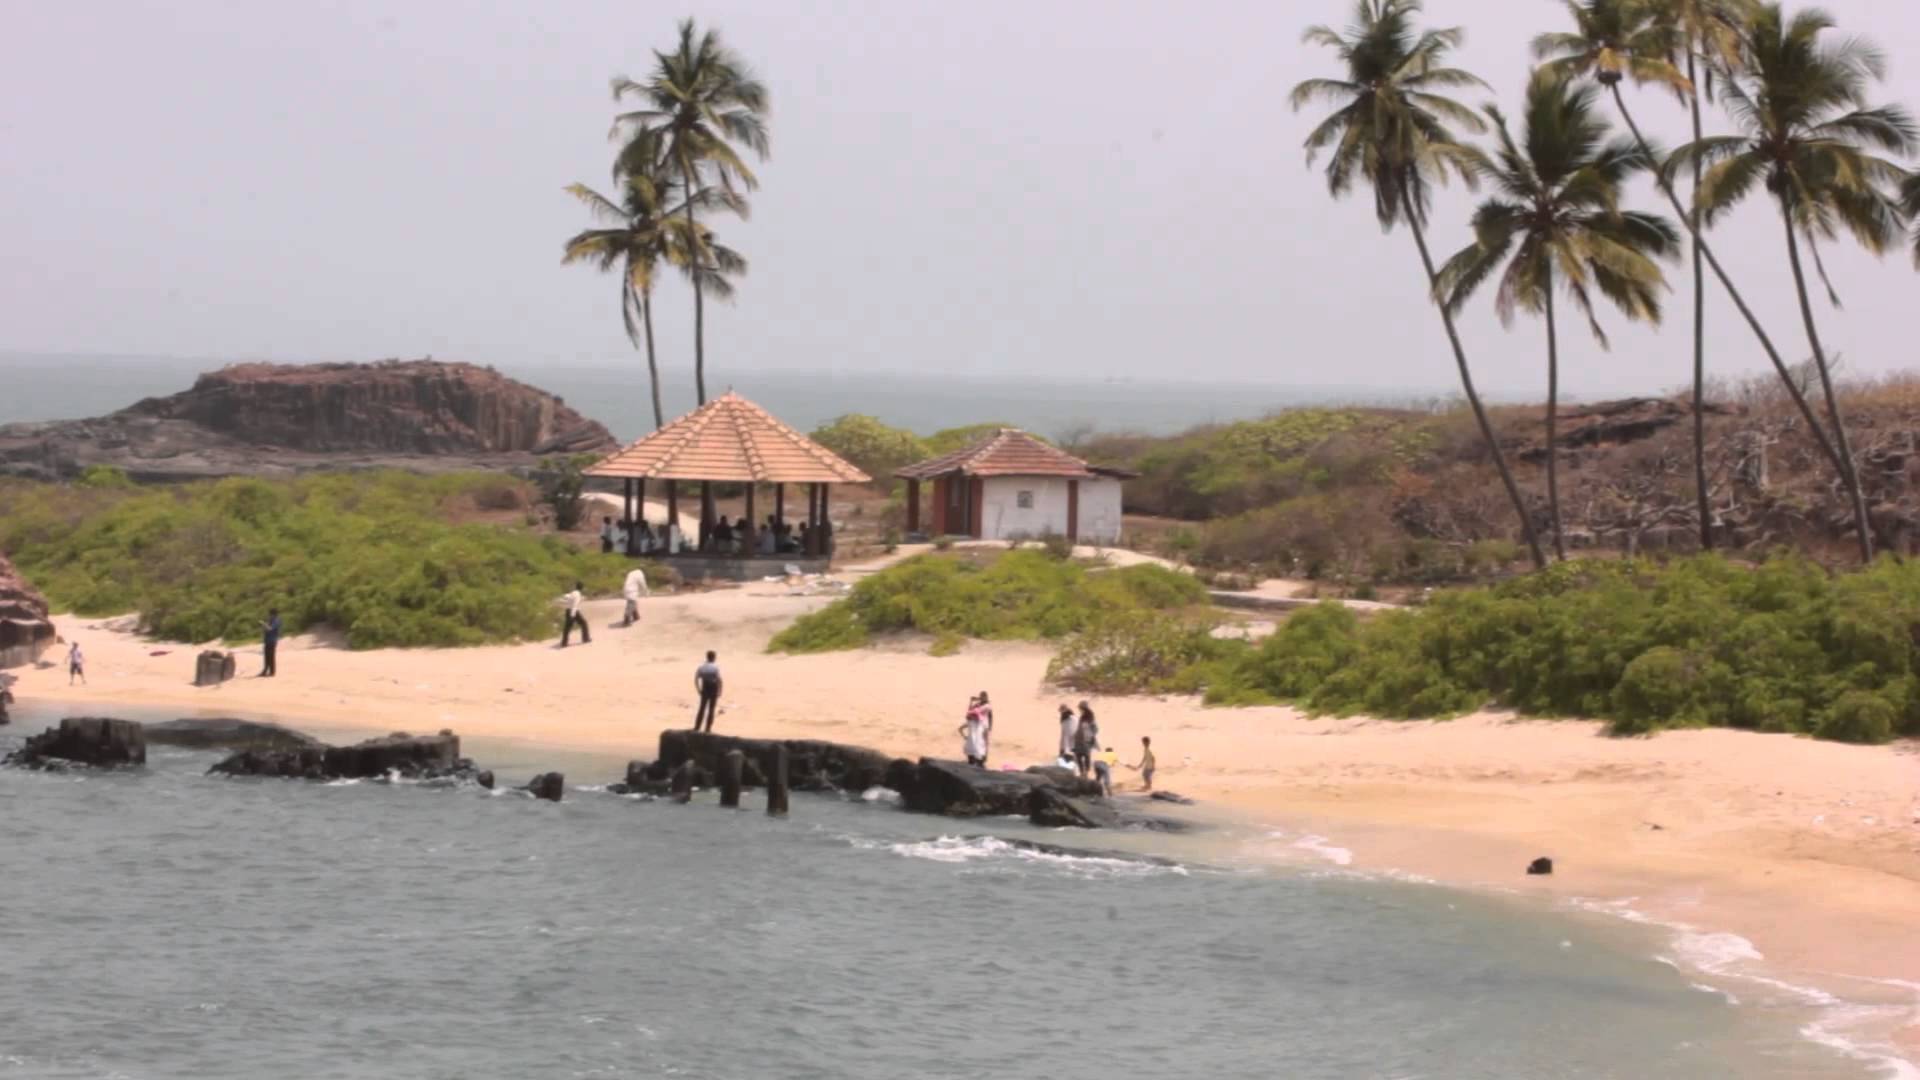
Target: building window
{"x": 1024, "y": 500}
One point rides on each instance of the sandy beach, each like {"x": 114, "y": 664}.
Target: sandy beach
{"x": 1809, "y": 850}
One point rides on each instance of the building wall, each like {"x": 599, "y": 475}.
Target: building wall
{"x": 1003, "y": 518}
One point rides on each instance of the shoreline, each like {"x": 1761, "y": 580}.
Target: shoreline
{"x": 1786, "y": 866}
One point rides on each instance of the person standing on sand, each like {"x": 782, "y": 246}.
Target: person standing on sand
{"x": 634, "y": 588}
{"x": 270, "y": 643}
{"x": 1068, "y": 724}
{"x": 973, "y": 736}
{"x": 573, "y": 600}
{"x": 1146, "y": 762}
{"x": 706, "y": 681}
{"x": 76, "y": 665}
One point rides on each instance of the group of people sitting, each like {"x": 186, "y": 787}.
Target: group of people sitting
{"x": 724, "y": 538}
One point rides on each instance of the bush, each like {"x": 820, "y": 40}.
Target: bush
{"x": 1859, "y": 717}
{"x": 369, "y": 553}
{"x": 1057, "y": 546}
{"x": 874, "y": 447}
{"x": 1136, "y": 652}
{"x": 562, "y": 484}
{"x": 1016, "y": 596}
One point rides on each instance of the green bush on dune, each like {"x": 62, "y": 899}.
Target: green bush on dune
{"x": 1701, "y": 642}
{"x": 1017, "y": 596}
{"x": 371, "y": 554}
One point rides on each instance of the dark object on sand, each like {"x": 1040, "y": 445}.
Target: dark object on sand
{"x": 84, "y": 740}
{"x": 1541, "y": 865}
{"x": 1171, "y": 797}
{"x": 227, "y": 733}
{"x": 409, "y": 757}
{"x": 213, "y": 667}
{"x": 548, "y": 786}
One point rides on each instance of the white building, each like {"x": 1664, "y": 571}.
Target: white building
{"x": 1012, "y": 486}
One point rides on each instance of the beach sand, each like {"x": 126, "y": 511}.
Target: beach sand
{"x": 1809, "y": 850}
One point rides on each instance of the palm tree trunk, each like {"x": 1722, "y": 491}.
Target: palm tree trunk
{"x": 1848, "y": 475}
{"x": 1553, "y": 417}
{"x": 653, "y": 366}
{"x": 1814, "y": 427}
{"x": 1473, "y": 396}
{"x": 699, "y": 300}
{"x": 1702, "y": 505}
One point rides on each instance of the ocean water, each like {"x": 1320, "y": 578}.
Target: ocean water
{"x": 55, "y": 387}
{"x": 164, "y": 924}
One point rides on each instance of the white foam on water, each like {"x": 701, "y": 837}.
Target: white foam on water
{"x": 982, "y": 849}
{"x": 1318, "y": 845}
{"x": 879, "y": 794}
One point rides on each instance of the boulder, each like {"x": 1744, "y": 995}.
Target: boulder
{"x": 812, "y": 765}
{"x": 84, "y": 740}
{"x": 484, "y": 778}
{"x": 6, "y": 698}
{"x": 1051, "y": 808}
{"x": 957, "y": 789}
{"x": 25, "y": 631}
{"x": 1541, "y": 865}
{"x": 642, "y": 779}
{"x": 1067, "y": 780}
{"x": 1170, "y": 797}
{"x": 226, "y": 733}
{"x": 549, "y": 786}
{"x": 213, "y": 667}
{"x": 410, "y": 757}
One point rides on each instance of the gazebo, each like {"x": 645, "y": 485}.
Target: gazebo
{"x": 730, "y": 440}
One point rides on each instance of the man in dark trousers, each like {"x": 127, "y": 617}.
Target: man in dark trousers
{"x": 270, "y": 638}
{"x": 706, "y": 680}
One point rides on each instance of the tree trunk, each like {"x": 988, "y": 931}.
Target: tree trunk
{"x": 1553, "y": 418}
{"x": 1814, "y": 427}
{"x": 1473, "y": 396}
{"x": 1848, "y": 475}
{"x": 1701, "y": 503}
{"x": 653, "y": 365}
{"x": 696, "y": 268}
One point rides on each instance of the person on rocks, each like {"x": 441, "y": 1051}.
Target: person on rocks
{"x": 76, "y": 665}
{"x": 1145, "y": 767}
{"x": 633, "y": 589}
{"x": 1103, "y": 767}
{"x": 573, "y": 600}
{"x": 608, "y": 534}
{"x": 973, "y": 736}
{"x": 706, "y": 681}
{"x": 1086, "y": 740}
{"x": 1068, "y": 725}
{"x": 986, "y": 715}
{"x": 270, "y": 644}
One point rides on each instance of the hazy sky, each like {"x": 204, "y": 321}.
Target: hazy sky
{"x": 996, "y": 187}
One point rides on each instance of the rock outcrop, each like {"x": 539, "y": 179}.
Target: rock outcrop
{"x": 84, "y": 740}
{"x": 549, "y": 786}
{"x": 25, "y": 631}
{"x": 408, "y": 757}
{"x": 812, "y": 765}
{"x": 226, "y": 733}
{"x": 956, "y": 789}
{"x": 417, "y": 414}
{"x": 213, "y": 667}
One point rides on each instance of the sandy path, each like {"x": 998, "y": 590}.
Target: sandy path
{"x": 1812, "y": 850}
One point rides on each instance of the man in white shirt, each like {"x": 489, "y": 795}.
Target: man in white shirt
{"x": 633, "y": 590}
{"x": 573, "y": 600}
{"x": 675, "y": 539}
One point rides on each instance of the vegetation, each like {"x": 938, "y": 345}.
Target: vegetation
{"x": 874, "y": 447}
{"x": 375, "y": 556}
{"x": 562, "y": 484}
{"x": 1701, "y": 642}
{"x": 1135, "y": 652}
{"x": 1022, "y": 595}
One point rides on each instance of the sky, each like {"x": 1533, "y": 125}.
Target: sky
{"x": 995, "y": 188}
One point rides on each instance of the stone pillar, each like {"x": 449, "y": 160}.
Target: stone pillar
{"x": 777, "y": 782}
{"x": 731, "y": 768}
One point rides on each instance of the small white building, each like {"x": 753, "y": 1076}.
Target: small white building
{"x": 1012, "y": 486}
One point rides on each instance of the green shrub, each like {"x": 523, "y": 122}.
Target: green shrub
{"x": 877, "y": 449}
{"x": 104, "y": 476}
{"x": 1663, "y": 687}
{"x": 1135, "y": 652}
{"x": 562, "y": 486}
{"x": 1057, "y": 546}
{"x": 1859, "y": 716}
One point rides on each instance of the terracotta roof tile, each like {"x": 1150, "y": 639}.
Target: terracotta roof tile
{"x": 729, "y": 439}
{"x": 1007, "y": 452}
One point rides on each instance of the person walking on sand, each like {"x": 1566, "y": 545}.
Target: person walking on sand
{"x": 1068, "y": 724}
{"x": 634, "y": 588}
{"x": 706, "y": 681}
{"x": 270, "y": 644}
{"x": 1086, "y": 740}
{"x": 76, "y": 665}
{"x": 1146, "y": 762}
{"x": 973, "y": 736}
{"x": 573, "y": 600}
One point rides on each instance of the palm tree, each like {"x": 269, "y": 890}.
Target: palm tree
{"x": 1910, "y": 206}
{"x": 1558, "y": 213}
{"x": 1637, "y": 39}
{"x": 703, "y": 99}
{"x": 1810, "y": 137}
{"x": 1391, "y": 132}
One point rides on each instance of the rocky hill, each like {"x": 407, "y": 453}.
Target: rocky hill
{"x": 25, "y": 632}
{"x": 275, "y": 419}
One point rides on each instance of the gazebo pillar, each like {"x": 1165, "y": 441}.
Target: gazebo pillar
{"x": 747, "y": 546}
{"x": 633, "y": 533}
{"x": 813, "y": 520}
{"x": 626, "y": 501}
{"x": 779, "y": 506}
{"x": 673, "y": 503}
{"x": 826, "y": 523}
{"x": 913, "y": 506}
{"x": 706, "y": 512}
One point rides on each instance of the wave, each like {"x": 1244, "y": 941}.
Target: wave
{"x": 988, "y": 850}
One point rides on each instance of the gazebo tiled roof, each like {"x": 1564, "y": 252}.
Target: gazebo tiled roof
{"x": 1007, "y": 452}
{"x": 731, "y": 440}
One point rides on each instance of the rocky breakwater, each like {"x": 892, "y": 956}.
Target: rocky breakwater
{"x": 25, "y": 630}
{"x": 277, "y": 419}
{"x": 400, "y": 755}
{"x": 84, "y": 740}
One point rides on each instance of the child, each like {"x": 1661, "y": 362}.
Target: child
{"x": 1146, "y": 762}
{"x": 76, "y": 665}
{"x": 1103, "y": 770}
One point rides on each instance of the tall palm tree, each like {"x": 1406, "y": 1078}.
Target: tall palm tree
{"x": 1557, "y": 225}
{"x": 1910, "y": 206}
{"x": 1637, "y": 39}
{"x": 1811, "y": 138}
{"x": 704, "y": 100}
{"x": 1390, "y": 132}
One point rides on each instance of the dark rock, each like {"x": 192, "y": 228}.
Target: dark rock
{"x": 1541, "y": 865}
{"x": 681, "y": 782}
{"x": 25, "y": 631}
{"x": 1053, "y": 809}
{"x": 484, "y": 778}
{"x": 6, "y": 698}
{"x": 548, "y": 786}
{"x": 409, "y": 757}
{"x": 1170, "y": 797}
{"x": 812, "y": 765}
{"x": 957, "y": 789}
{"x": 226, "y": 733}
{"x": 213, "y": 667}
{"x": 643, "y": 778}
{"x": 84, "y": 741}
{"x": 1067, "y": 780}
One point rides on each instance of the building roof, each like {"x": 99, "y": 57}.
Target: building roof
{"x": 1007, "y": 452}
{"x": 729, "y": 439}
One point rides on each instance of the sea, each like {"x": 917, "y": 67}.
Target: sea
{"x": 160, "y": 923}
{"x": 49, "y": 386}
